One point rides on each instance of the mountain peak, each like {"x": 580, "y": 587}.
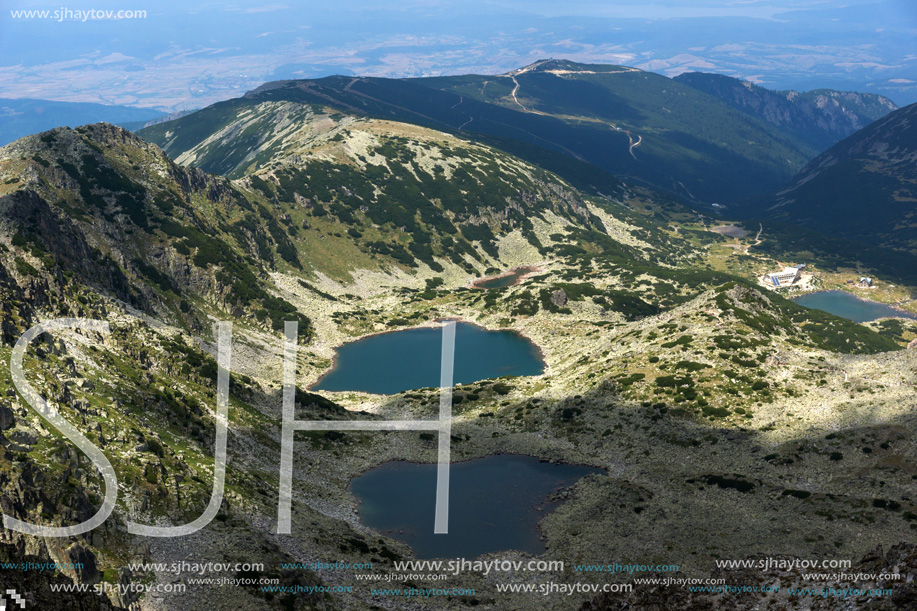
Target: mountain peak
{"x": 566, "y": 66}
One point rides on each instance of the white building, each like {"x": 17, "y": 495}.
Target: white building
{"x": 789, "y": 275}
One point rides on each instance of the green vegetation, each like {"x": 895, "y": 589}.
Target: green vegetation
{"x": 831, "y": 191}
{"x": 686, "y": 374}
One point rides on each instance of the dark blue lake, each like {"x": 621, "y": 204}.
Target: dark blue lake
{"x": 495, "y": 503}
{"x": 402, "y": 360}
{"x": 845, "y": 305}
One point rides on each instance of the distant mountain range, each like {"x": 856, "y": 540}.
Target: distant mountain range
{"x": 575, "y": 119}
{"x": 863, "y": 188}
{"x": 137, "y": 125}
{"x": 803, "y": 44}
{"x": 819, "y": 118}
{"x": 23, "y": 116}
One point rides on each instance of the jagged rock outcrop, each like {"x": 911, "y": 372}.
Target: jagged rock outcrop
{"x": 821, "y": 117}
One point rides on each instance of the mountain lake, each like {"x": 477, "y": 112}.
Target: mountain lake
{"x": 495, "y": 503}
{"x": 390, "y": 363}
{"x": 846, "y": 305}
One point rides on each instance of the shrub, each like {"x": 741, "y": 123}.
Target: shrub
{"x": 684, "y": 340}
{"x": 25, "y": 268}
{"x": 690, "y": 365}
{"x": 501, "y": 388}
{"x": 730, "y": 483}
{"x": 716, "y": 412}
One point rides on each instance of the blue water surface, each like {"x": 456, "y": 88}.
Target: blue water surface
{"x": 495, "y": 503}
{"x": 402, "y": 360}
{"x": 845, "y": 305}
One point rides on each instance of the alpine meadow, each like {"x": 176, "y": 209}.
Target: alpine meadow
{"x": 512, "y": 306}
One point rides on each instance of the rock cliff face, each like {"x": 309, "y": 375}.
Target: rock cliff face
{"x": 34, "y": 587}
{"x": 820, "y": 118}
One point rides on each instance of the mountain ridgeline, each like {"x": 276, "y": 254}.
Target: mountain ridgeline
{"x": 818, "y": 118}
{"x": 583, "y": 122}
{"x": 863, "y": 188}
{"x": 397, "y": 190}
{"x": 726, "y": 139}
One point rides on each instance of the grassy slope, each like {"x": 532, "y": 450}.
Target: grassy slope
{"x": 629, "y": 271}
{"x": 689, "y": 138}
{"x": 863, "y": 188}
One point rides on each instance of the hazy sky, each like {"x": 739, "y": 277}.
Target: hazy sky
{"x": 187, "y": 53}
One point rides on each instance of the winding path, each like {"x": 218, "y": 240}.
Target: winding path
{"x": 631, "y": 144}
{"x": 515, "y": 89}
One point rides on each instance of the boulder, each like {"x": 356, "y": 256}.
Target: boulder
{"x": 7, "y": 418}
{"x": 23, "y": 437}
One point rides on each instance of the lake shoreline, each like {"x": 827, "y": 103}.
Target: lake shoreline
{"x": 543, "y": 506}
{"x": 905, "y": 314}
{"x": 430, "y": 324}
{"x": 553, "y": 461}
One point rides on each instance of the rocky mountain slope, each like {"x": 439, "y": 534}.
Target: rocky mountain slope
{"x": 716, "y": 407}
{"x": 559, "y": 115}
{"x": 400, "y": 191}
{"x": 100, "y": 208}
{"x": 819, "y": 118}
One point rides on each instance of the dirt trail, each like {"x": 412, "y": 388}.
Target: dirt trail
{"x": 515, "y": 89}
{"x": 631, "y": 144}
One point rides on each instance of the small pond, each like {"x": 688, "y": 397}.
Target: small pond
{"x": 499, "y": 282}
